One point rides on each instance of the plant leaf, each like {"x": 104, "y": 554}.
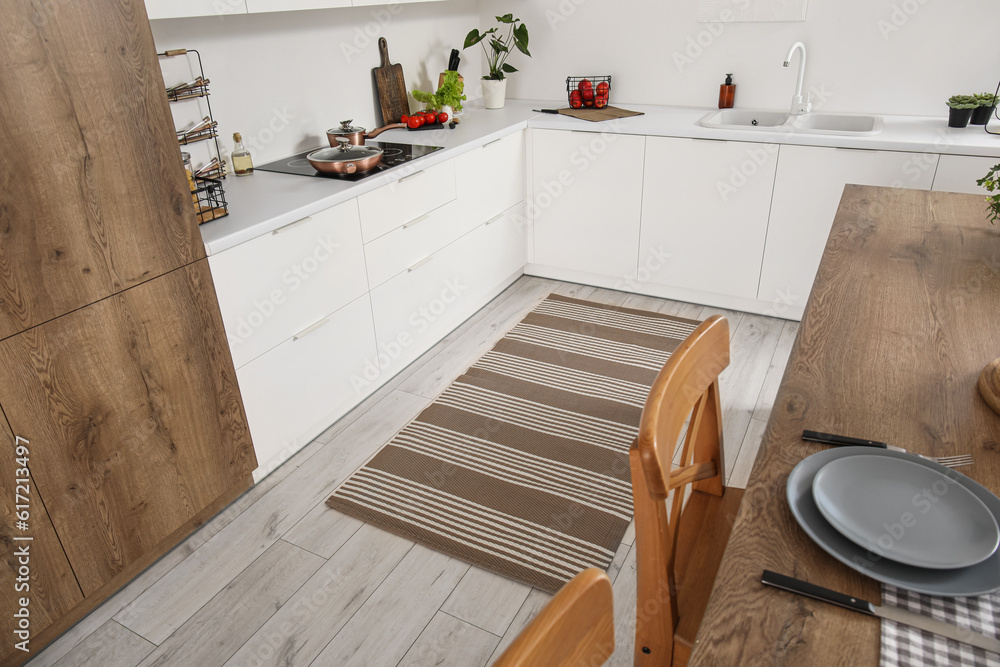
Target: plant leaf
{"x": 521, "y": 39}
{"x": 499, "y": 46}
{"x": 506, "y": 18}
{"x": 508, "y": 68}
{"x": 472, "y": 38}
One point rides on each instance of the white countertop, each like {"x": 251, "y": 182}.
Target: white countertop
{"x": 265, "y": 201}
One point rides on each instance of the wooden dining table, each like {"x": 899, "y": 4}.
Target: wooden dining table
{"x": 903, "y": 315}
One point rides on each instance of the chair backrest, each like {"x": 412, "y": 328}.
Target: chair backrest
{"x": 686, "y": 391}
{"x": 575, "y": 629}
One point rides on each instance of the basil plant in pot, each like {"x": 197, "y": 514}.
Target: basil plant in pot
{"x": 498, "y": 48}
{"x": 989, "y": 379}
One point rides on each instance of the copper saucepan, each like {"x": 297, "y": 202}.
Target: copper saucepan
{"x": 345, "y": 159}
{"x": 356, "y": 135}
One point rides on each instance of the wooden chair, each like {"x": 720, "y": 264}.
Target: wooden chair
{"x": 575, "y": 629}
{"x": 677, "y": 555}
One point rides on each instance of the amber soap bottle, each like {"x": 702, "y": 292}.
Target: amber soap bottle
{"x": 727, "y": 93}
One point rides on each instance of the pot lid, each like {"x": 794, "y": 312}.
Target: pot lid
{"x": 346, "y": 128}
{"x": 345, "y": 152}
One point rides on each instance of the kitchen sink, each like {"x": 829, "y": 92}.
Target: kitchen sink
{"x": 808, "y": 123}
{"x": 744, "y": 118}
{"x": 837, "y": 123}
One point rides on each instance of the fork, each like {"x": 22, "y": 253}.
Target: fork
{"x": 830, "y": 439}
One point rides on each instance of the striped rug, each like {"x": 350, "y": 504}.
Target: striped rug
{"x": 521, "y": 465}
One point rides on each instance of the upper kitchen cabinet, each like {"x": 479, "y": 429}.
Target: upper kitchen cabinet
{"x": 586, "y": 191}
{"x": 76, "y": 224}
{"x": 704, "y": 214}
{"x": 808, "y": 185}
{"x": 135, "y": 416}
{"x": 172, "y": 9}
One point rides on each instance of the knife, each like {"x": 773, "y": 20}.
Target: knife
{"x": 793, "y": 585}
{"x": 546, "y": 110}
{"x": 831, "y": 439}
{"x": 453, "y": 61}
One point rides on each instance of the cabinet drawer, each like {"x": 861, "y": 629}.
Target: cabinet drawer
{"x": 404, "y": 246}
{"x": 280, "y": 283}
{"x": 408, "y": 198}
{"x": 491, "y": 178}
{"x": 420, "y": 306}
{"x": 295, "y": 391}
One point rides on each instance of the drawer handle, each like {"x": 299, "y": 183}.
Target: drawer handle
{"x": 308, "y": 330}
{"x": 408, "y": 176}
{"x": 494, "y": 219}
{"x": 285, "y": 228}
{"x": 420, "y": 263}
{"x": 416, "y": 221}
{"x": 490, "y": 143}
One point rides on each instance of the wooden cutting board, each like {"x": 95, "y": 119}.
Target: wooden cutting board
{"x": 595, "y": 115}
{"x": 390, "y": 87}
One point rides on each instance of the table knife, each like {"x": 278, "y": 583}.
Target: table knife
{"x": 897, "y": 614}
{"x": 831, "y": 439}
{"x": 546, "y": 110}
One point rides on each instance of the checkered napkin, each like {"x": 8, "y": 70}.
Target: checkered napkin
{"x": 903, "y": 645}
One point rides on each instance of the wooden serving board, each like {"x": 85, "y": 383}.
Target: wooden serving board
{"x": 390, "y": 87}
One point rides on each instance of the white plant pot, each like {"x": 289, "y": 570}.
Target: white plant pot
{"x": 448, "y": 110}
{"x": 494, "y": 93}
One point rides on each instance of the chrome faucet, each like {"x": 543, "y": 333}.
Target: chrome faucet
{"x": 798, "y": 106}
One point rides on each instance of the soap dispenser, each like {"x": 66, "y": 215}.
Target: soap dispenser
{"x": 727, "y": 93}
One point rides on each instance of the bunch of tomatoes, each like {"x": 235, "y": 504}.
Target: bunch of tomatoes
{"x": 422, "y": 118}
{"x": 586, "y": 95}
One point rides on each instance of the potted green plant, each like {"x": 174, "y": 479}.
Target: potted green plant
{"x": 449, "y": 96}
{"x": 989, "y": 379}
{"x": 498, "y": 48}
{"x": 960, "y": 109}
{"x": 986, "y": 105}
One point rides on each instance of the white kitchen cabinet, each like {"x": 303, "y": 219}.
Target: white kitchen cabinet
{"x": 586, "y": 192}
{"x": 366, "y": 3}
{"x": 255, "y": 6}
{"x": 808, "y": 184}
{"x": 421, "y": 305}
{"x": 705, "y": 207}
{"x": 281, "y": 282}
{"x": 959, "y": 173}
{"x": 405, "y": 200}
{"x": 171, "y": 9}
{"x": 490, "y": 178}
{"x": 295, "y": 391}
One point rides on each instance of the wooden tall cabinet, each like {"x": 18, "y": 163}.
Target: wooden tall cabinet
{"x": 113, "y": 358}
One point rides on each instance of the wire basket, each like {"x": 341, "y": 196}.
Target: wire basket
{"x": 209, "y": 199}
{"x": 597, "y": 95}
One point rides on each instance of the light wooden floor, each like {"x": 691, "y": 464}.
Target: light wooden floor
{"x": 280, "y": 579}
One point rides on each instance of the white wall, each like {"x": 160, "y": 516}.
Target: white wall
{"x": 282, "y": 79}
{"x": 885, "y": 56}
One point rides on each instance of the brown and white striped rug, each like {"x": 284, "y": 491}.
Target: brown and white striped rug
{"x": 521, "y": 465}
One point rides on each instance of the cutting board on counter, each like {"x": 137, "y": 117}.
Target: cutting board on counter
{"x": 607, "y": 113}
{"x": 390, "y": 87}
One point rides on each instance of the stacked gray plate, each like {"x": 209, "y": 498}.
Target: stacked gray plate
{"x": 900, "y": 519}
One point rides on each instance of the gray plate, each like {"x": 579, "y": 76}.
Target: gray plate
{"x": 967, "y": 581}
{"x": 905, "y": 512}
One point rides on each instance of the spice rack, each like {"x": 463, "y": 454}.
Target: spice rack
{"x": 207, "y": 193}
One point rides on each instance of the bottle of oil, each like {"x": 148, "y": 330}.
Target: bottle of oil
{"x": 240, "y": 157}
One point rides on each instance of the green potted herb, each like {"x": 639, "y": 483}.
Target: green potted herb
{"x": 986, "y": 105}
{"x": 448, "y": 97}
{"x": 498, "y": 48}
{"x": 989, "y": 379}
{"x": 960, "y": 109}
